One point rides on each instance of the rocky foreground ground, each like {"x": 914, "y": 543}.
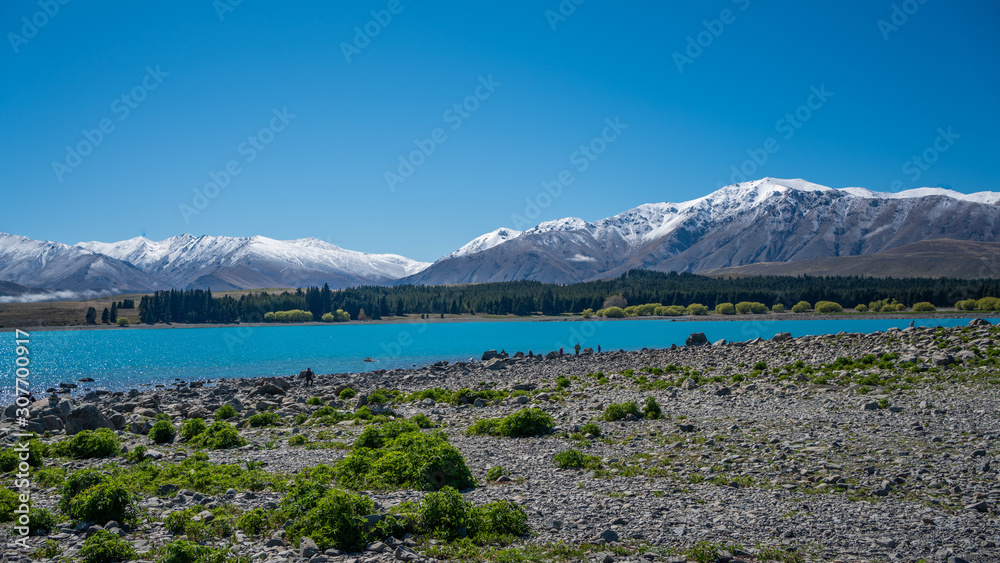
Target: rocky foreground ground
{"x": 767, "y": 450}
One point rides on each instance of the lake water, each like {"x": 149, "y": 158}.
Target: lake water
{"x": 121, "y": 359}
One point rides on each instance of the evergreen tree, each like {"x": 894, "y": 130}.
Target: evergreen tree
{"x": 114, "y": 313}
{"x": 105, "y": 314}
{"x": 91, "y": 316}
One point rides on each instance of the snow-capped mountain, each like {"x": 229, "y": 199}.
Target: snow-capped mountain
{"x": 44, "y": 265}
{"x": 484, "y": 242}
{"x": 218, "y": 262}
{"x": 768, "y": 220}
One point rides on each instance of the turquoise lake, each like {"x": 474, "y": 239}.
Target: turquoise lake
{"x": 121, "y": 359}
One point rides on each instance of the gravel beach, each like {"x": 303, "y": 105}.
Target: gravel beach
{"x": 850, "y": 447}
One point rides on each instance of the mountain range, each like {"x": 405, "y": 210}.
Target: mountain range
{"x": 765, "y": 226}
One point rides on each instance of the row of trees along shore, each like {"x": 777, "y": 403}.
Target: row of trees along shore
{"x": 636, "y": 287}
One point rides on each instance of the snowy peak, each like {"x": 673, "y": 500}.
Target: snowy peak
{"x": 484, "y": 242}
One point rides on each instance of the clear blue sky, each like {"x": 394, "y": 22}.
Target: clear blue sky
{"x": 323, "y": 174}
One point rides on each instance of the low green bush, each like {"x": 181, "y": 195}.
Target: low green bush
{"x": 108, "y": 500}
{"x": 697, "y": 309}
{"x": 254, "y": 522}
{"x": 751, "y": 307}
{"x": 137, "y": 454}
{"x": 225, "y": 412}
{"x": 495, "y": 472}
{"x": 9, "y": 459}
{"x": 162, "y": 432}
{"x": 219, "y": 436}
{"x": 778, "y": 308}
{"x": 446, "y": 514}
{"x": 590, "y": 428}
{"x": 422, "y": 420}
{"x": 725, "y": 309}
{"x": 106, "y": 547}
{"x": 314, "y": 401}
{"x": 651, "y": 409}
{"x": 828, "y": 307}
{"x": 297, "y": 440}
{"x": 924, "y": 307}
{"x": 9, "y": 502}
{"x": 398, "y": 455}
{"x": 523, "y": 423}
{"x": 262, "y": 419}
{"x": 612, "y": 313}
{"x": 575, "y": 459}
{"x": 347, "y": 393}
{"x": 88, "y": 444}
{"x": 332, "y": 521}
{"x": 192, "y": 427}
{"x": 618, "y": 411}
{"x": 42, "y": 521}
{"x": 76, "y": 483}
{"x": 801, "y": 307}
{"x": 861, "y": 308}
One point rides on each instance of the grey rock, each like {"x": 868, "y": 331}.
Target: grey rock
{"x": 307, "y": 548}
{"x": 86, "y": 417}
{"x": 696, "y": 339}
{"x": 609, "y": 536}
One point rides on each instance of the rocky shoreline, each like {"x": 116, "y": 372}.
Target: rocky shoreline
{"x": 847, "y": 447}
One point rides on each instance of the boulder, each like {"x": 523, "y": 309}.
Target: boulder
{"x": 489, "y": 355}
{"x": 118, "y": 420}
{"x": 86, "y": 417}
{"x": 782, "y": 337}
{"x": 979, "y": 322}
{"x": 696, "y": 339}
{"x": 307, "y": 548}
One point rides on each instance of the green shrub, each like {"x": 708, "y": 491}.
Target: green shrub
{"x": 219, "y": 436}
{"x": 988, "y": 304}
{"x": 88, "y": 444}
{"x": 725, "y": 309}
{"x": 9, "y": 459}
{"x": 50, "y": 477}
{"x": 447, "y": 515}
{"x": 402, "y": 457}
{"x": 828, "y": 307}
{"x": 778, "y": 308}
{"x": 614, "y": 313}
{"x": 966, "y": 305}
{"x": 651, "y": 409}
{"x": 618, "y": 411}
{"x": 523, "y": 423}
{"x": 422, "y": 420}
{"x": 253, "y": 522}
{"x": 697, "y": 309}
{"x": 801, "y": 307}
{"x": 563, "y": 382}
{"x": 590, "y": 428}
{"x": 297, "y": 440}
{"x": 861, "y": 308}
{"x": 137, "y": 454}
{"x": 182, "y": 551}
{"x": 76, "y": 483}
{"x": 106, "y": 547}
{"x": 9, "y": 502}
{"x": 575, "y": 459}
{"x": 225, "y": 412}
{"x": 264, "y": 419}
{"x": 760, "y": 366}
{"x": 748, "y": 307}
{"x": 192, "y": 428}
{"x": 495, "y": 472}
{"x": 924, "y": 307}
{"x": 333, "y": 522}
{"x": 162, "y": 432}
{"x": 108, "y": 500}
{"x": 315, "y": 401}
{"x": 122, "y": 321}
{"x": 587, "y": 313}
{"x": 41, "y": 520}
{"x": 347, "y": 394}
{"x": 51, "y": 549}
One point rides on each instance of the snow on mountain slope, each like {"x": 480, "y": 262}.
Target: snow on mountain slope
{"x": 241, "y": 262}
{"x": 56, "y": 266}
{"x": 484, "y": 242}
{"x": 767, "y": 219}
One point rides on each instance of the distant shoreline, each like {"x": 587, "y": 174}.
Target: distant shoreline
{"x": 945, "y": 314}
